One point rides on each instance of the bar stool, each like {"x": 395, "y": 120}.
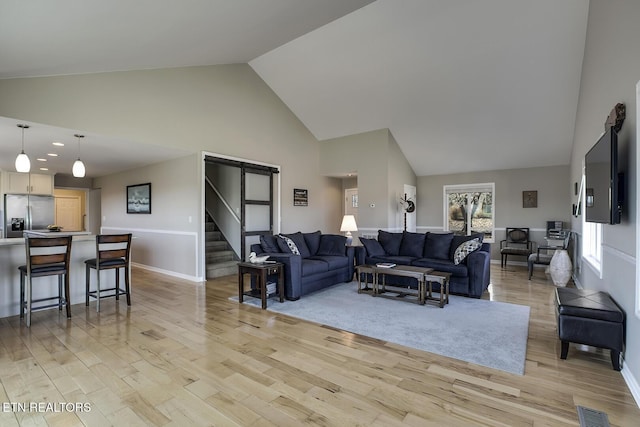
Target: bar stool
{"x": 112, "y": 253}
{"x": 46, "y": 256}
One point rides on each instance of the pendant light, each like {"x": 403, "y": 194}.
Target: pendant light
{"x": 78, "y": 166}
{"x": 22, "y": 161}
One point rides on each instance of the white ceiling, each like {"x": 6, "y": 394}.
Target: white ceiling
{"x": 463, "y": 85}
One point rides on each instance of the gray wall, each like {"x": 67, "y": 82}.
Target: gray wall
{"x": 551, "y": 183}
{"x": 333, "y": 192}
{"x": 363, "y": 153}
{"x": 400, "y": 173}
{"x": 165, "y": 240}
{"x": 382, "y": 172}
{"x": 610, "y": 71}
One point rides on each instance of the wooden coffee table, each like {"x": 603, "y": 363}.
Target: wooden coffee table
{"x": 418, "y": 273}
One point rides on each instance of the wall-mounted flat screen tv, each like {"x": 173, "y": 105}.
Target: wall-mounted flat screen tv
{"x": 603, "y": 183}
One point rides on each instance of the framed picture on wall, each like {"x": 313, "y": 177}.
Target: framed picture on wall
{"x": 300, "y": 197}
{"x": 139, "y": 198}
{"x": 529, "y": 199}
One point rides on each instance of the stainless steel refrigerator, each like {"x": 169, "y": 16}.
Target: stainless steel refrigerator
{"x": 26, "y": 212}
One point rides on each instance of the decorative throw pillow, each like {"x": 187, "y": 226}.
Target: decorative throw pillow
{"x": 332, "y": 245}
{"x": 313, "y": 241}
{"x": 289, "y": 244}
{"x": 412, "y": 244}
{"x": 269, "y": 243}
{"x": 301, "y": 244}
{"x": 390, "y": 242}
{"x": 437, "y": 245}
{"x": 458, "y": 240}
{"x": 373, "y": 247}
{"x": 465, "y": 249}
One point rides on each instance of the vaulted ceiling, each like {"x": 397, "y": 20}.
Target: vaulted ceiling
{"x": 463, "y": 85}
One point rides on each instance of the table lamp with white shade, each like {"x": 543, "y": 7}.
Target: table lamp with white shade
{"x": 349, "y": 225}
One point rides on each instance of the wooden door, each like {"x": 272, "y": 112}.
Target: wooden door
{"x": 69, "y": 212}
{"x": 256, "y": 204}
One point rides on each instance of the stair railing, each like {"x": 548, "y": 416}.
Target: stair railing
{"x": 222, "y": 199}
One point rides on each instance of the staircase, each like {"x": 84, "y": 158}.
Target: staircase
{"x": 221, "y": 260}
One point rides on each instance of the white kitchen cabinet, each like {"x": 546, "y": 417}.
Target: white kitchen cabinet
{"x": 22, "y": 183}
{"x": 15, "y": 182}
{"x": 41, "y": 184}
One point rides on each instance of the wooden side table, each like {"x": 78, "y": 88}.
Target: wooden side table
{"x": 365, "y": 270}
{"x": 261, "y": 272}
{"x": 441, "y": 278}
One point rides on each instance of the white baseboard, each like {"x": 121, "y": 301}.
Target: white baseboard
{"x": 632, "y": 383}
{"x": 577, "y": 282}
{"x": 169, "y": 273}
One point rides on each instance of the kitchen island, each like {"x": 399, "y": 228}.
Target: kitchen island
{"x": 13, "y": 254}
{"x": 50, "y": 233}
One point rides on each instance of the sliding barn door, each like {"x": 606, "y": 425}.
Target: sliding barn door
{"x": 256, "y": 205}
{"x": 256, "y": 187}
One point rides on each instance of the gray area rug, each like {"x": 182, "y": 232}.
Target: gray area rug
{"x": 487, "y": 333}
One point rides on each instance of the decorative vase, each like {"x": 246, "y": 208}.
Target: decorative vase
{"x": 560, "y": 267}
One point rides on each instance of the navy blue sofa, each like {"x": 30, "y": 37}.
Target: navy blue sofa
{"x": 323, "y": 260}
{"x": 469, "y": 271}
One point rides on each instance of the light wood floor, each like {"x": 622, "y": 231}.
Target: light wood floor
{"x": 184, "y": 354}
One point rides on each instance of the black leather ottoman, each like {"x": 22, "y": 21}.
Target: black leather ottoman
{"x": 590, "y": 318}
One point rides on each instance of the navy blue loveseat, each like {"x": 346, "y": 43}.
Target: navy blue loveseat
{"x": 469, "y": 266}
{"x": 322, "y": 260}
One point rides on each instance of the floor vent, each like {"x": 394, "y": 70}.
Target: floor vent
{"x": 592, "y": 418}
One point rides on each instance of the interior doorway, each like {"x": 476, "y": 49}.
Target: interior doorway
{"x": 351, "y": 208}
{"x": 351, "y": 202}
{"x": 241, "y": 199}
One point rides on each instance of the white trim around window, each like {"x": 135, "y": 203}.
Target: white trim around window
{"x": 592, "y": 246}
{"x": 473, "y": 191}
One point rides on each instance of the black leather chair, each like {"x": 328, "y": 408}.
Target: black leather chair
{"x": 46, "y": 256}
{"x": 516, "y": 243}
{"x": 113, "y": 252}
